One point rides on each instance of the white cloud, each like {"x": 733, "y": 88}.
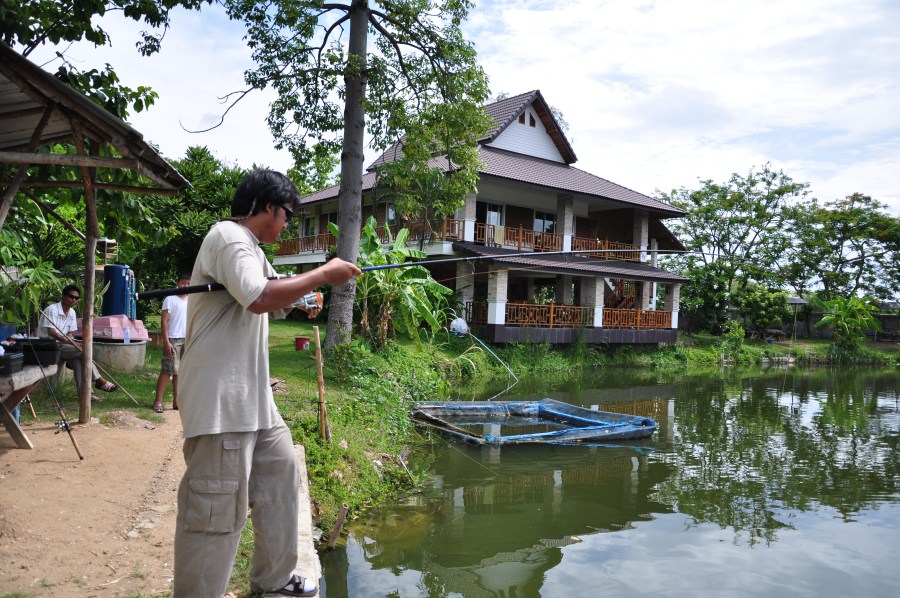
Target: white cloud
{"x": 662, "y": 93}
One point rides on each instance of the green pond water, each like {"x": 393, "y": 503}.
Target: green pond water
{"x": 778, "y": 482}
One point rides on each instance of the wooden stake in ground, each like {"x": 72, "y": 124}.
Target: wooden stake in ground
{"x": 324, "y": 429}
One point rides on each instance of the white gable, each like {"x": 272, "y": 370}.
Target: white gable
{"x": 529, "y": 138}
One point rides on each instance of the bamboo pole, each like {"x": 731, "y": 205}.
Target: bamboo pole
{"x": 324, "y": 429}
{"x": 338, "y": 525}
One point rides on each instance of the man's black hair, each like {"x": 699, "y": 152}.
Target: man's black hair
{"x": 261, "y": 187}
{"x": 69, "y": 288}
{"x": 184, "y": 276}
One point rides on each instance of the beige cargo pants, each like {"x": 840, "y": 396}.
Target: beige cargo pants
{"x": 227, "y": 474}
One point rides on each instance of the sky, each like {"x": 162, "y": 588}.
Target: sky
{"x": 658, "y": 94}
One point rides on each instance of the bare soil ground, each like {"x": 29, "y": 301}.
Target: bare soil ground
{"x": 99, "y": 527}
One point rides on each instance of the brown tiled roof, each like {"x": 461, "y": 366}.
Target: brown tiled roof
{"x": 571, "y": 263}
{"x": 368, "y": 181}
{"x": 512, "y": 166}
{"x": 563, "y": 177}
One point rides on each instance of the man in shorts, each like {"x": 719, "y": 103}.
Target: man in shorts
{"x": 173, "y": 322}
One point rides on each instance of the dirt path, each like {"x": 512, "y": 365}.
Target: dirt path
{"x": 99, "y": 527}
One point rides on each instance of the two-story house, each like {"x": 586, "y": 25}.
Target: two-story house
{"x": 567, "y": 254}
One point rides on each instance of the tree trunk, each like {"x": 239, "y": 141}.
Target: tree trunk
{"x": 340, "y": 317}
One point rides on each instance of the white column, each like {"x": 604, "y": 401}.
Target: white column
{"x": 646, "y": 298}
{"x": 592, "y": 290}
{"x": 641, "y": 232}
{"x": 465, "y": 281}
{"x": 564, "y": 289}
{"x": 468, "y": 218}
{"x": 497, "y": 283}
{"x": 673, "y": 297}
{"x": 565, "y": 219}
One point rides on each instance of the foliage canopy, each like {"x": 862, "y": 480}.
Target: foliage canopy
{"x": 420, "y": 83}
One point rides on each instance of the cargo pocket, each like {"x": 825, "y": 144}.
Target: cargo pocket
{"x": 212, "y": 505}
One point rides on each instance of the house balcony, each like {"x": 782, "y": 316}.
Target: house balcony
{"x": 452, "y": 229}
{"x": 448, "y": 229}
{"x": 564, "y": 324}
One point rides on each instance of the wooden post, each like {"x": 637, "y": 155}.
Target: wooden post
{"x": 324, "y": 429}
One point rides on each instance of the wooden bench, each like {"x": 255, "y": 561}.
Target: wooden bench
{"x": 14, "y": 388}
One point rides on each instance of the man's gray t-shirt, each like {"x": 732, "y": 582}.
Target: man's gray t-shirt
{"x": 223, "y": 380}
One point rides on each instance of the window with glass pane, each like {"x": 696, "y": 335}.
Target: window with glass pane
{"x": 309, "y": 226}
{"x": 544, "y": 222}
{"x": 494, "y": 214}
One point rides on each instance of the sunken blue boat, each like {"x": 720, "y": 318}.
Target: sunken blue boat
{"x": 497, "y": 423}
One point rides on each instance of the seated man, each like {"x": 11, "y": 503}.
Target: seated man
{"x": 58, "y": 322}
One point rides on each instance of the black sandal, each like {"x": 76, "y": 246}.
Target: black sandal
{"x": 298, "y": 586}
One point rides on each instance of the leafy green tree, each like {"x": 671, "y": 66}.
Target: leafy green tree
{"x": 27, "y": 281}
{"x": 845, "y": 247}
{"x": 421, "y": 83}
{"x": 738, "y": 224}
{"x": 763, "y": 307}
{"x": 398, "y": 299}
{"x": 733, "y": 340}
{"x": 849, "y": 318}
{"x": 38, "y": 256}
{"x": 705, "y": 298}
{"x": 28, "y": 25}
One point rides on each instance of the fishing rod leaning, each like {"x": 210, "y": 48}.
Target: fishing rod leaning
{"x": 63, "y": 423}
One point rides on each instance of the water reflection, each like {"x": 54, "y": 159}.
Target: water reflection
{"x": 746, "y": 456}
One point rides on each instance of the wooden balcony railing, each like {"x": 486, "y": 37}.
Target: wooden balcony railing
{"x": 449, "y": 229}
{"x": 306, "y": 244}
{"x": 637, "y": 318}
{"x": 606, "y": 249}
{"x": 520, "y": 237}
{"x": 553, "y": 315}
{"x": 476, "y": 312}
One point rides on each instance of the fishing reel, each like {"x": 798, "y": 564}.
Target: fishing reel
{"x": 309, "y": 302}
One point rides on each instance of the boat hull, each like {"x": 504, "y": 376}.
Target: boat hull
{"x": 546, "y": 421}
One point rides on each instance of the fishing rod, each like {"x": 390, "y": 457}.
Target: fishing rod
{"x": 307, "y": 300}
{"x": 63, "y": 423}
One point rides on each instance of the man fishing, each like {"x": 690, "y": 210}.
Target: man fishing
{"x": 238, "y": 451}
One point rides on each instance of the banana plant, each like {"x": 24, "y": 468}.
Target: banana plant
{"x": 400, "y": 300}
{"x": 849, "y": 318}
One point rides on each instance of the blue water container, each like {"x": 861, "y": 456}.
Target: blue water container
{"x": 119, "y": 296}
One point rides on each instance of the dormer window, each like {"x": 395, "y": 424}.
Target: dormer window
{"x": 531, "y": 120}
{"x": 522, "y": 119}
